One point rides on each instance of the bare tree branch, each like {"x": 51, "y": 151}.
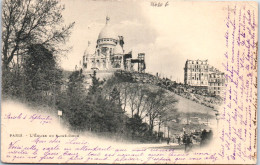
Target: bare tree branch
{"x": 30, "y": 22}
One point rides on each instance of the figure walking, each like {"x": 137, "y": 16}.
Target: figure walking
{"x": 179, "y": 140}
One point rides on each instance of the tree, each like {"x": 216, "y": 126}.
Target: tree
{"x": 96, "y": 85}
{"x": 134, "y": 95}
{"x": 29, "y": 22}
{"x": 75, "y": 105}
{"x": 136, "y": 126}
{"x": 76, "y": 88}
{"x": 106, "y": 114}
{"x": 42, "y": 75}
{"x": 159, "y": 105}
{"x": 144, "y": 101}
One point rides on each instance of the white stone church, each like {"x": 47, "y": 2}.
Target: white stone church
{"x": 109, "y": 55}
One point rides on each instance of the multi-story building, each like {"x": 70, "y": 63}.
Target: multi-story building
{"x": 196, "y": 74}
{"x": 200, "y": 75}
{"x": 216, "y": 81}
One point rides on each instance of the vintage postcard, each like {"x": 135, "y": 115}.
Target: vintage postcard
{"x": 137, "y": 82}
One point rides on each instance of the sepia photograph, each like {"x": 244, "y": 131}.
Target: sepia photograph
{"x": 110, "y": 81}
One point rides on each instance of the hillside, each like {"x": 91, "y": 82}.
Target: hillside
{"x": 183, "y": 91}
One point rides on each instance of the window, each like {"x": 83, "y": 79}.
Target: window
{"x": 103, "y": 50}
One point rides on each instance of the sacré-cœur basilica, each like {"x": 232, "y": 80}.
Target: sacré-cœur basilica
{"x": 110, "y": 56}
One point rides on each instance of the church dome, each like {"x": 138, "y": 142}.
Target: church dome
{"x": 118, "y": 49}
{"x": 107, "y": 31}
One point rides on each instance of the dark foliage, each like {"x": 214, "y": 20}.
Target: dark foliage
{"x": 137, "y": 127}
{"x": 90, "y": 110}
{"x": 41, "y": 75}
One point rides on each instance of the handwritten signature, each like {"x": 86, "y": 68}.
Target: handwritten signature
{"x": 42, "y": 119}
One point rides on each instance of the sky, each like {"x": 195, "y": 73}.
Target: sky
{"x": 167, "y": 35}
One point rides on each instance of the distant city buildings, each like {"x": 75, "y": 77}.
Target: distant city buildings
{"x": 200, "y": 75}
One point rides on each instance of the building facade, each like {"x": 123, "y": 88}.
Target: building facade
{"x": 199, "y": 74}
{"x": 196, "y": 73}
{"x": 110, "y": 55}
{"x": 216, "y": 81}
